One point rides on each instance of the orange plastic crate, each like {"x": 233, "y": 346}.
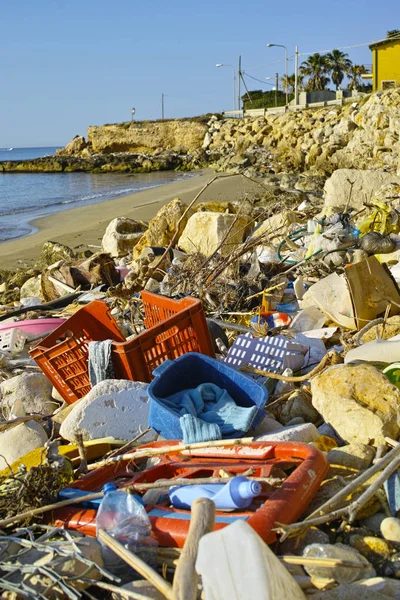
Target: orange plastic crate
{"x": 173, "y": 327}
{"x": 63, "y": 355}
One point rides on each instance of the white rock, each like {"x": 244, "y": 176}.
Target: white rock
{"x": 33, "y": 389}
{"x": 20, "y": 440}
{"x": 359, "y": 402}
{"x": 121, "y": 235}
{"x": 355, "y": 456}
{"x": 207, "y": 141}
{"x": 337, "y": 187}
{"x": 205, "y": 231}
{"x": 296, "y": 433}
{"x": 390, "y": 529}
{"x": 267, "y": 425}
{"x": 113, "y": 408}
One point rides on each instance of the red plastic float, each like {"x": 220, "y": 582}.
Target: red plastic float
{"x": 170, "y": 525}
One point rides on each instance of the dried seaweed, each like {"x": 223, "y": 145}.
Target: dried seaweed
{"x": 25, "y": 490}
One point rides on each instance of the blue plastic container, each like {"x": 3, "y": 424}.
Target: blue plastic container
{"x": 189, "y": 371}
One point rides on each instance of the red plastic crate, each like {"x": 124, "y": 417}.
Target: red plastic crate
{"x": 63, "y": 355}
{"x": 174, "y": 327}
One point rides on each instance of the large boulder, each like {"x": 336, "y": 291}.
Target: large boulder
{"x": 113, "y": 408}
{"x": 359, "y": 402}
{"x": 163, "y": 226}
{"x": 206, "y": 231}
{"x": 121, "y": 235}
{"x": 18, "y": 441}
{"x": 276, "y": 226}
{"x": 74, "y": 147}
{"x": 365, "y": 183}
{"x": 32, "y": 391}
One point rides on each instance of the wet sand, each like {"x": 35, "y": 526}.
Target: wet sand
{"x": 86, "y": 224}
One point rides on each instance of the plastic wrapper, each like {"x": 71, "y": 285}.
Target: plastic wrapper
{"x": 340, "y": 574}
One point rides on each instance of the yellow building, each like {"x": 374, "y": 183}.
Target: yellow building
{"x": 385, "y": 64}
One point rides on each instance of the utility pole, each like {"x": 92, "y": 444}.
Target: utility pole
{"x": 296, "y": 77}
{"x": 239, "y": 78}
{"x": 276, "y": 88}
{"x": 162, "y": 106}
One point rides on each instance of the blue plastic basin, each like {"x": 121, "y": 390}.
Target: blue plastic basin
{"x": 189, "y": 371}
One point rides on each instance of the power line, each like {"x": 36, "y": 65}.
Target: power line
{"x": 395, "y": 37}
{"x": 260, "y": 80}
{"x": 267, "y": 64}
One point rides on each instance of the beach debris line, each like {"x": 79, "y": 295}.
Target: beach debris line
{"x": 258, "y": 338}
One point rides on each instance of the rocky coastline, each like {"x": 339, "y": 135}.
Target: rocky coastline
{"x": 362, "y": 135}
{"x": 115, "y": 162}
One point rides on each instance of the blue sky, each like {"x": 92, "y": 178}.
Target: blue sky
{"x": 67, "y": 64}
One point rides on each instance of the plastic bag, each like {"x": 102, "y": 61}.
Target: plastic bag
{"x": 376, "y": 243}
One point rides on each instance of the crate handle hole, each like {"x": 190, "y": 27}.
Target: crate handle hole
{"x": 65, "y": 336}
{"x": 168, "y": 334}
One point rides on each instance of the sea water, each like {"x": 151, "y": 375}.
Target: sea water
{"x": 28, "y": 196}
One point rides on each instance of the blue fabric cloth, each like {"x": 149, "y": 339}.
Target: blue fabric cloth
{"x": 209, "y": 413}
{"x": 195, "y": 430}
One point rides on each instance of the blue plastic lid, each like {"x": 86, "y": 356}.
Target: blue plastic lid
{"x": 109, "y": 487}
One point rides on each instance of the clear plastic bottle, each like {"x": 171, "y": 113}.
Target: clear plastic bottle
{"x": 123, "y": 516}
{"x": 340, "y": 574}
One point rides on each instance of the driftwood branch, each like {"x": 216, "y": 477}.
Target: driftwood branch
{"x": 147, "y": 452}
{"x": 201, "y": 522}
{"x": 137, "y": 563}
{"x": 294, "y": 379}
{"x": 82, "y": 469}
{"x": 167, "y": 483}
{"x": 389, "y": 463}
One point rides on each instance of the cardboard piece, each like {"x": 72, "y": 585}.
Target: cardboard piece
{"x": 372, "y": 288}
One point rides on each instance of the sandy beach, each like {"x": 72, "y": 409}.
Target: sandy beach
{"x": 86, "y": 224}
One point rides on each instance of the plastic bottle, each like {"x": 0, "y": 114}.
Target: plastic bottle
{"x": 340, "y": 574}
{"x": 237, "y": 493}
{"x": 123, "y": 516}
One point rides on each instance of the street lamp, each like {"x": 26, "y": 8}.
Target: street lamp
{"x": 286, "y": 61}
{"x": 234, "y": 81}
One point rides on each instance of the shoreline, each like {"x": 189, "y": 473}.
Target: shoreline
{"x": 85, "y": 225}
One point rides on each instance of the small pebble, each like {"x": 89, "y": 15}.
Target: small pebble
{"x": 373, "y": 523}
{"x": 390, "y": 529}
{"x": 373, "y": 548}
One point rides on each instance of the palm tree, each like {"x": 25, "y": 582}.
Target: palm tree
{"x": 291, "y": 82}
{"x": 316, "y": 68}
{"x": 339, "y": 65}
{"x": 355, "y": 76}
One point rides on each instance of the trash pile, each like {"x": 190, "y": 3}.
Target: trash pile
{"x": 207, "y": 406}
